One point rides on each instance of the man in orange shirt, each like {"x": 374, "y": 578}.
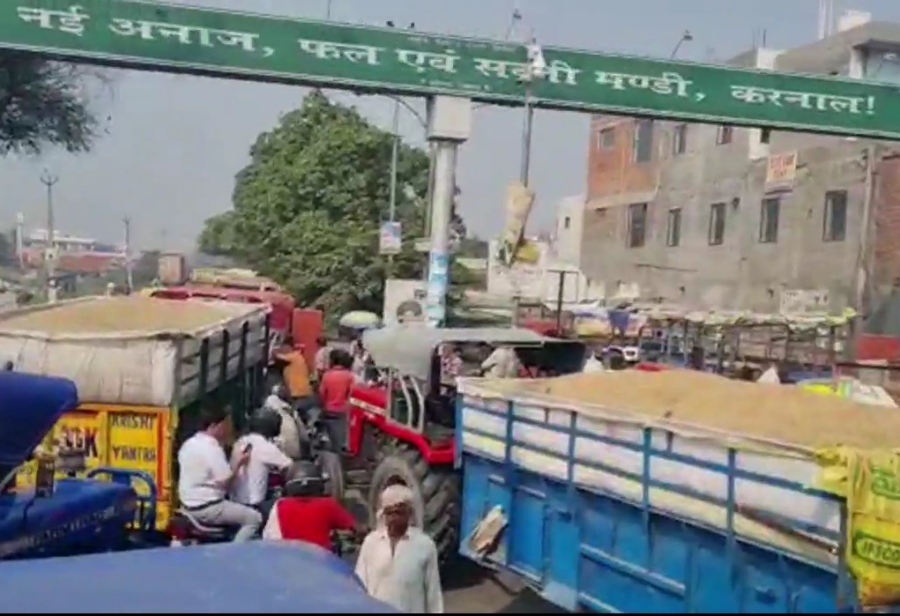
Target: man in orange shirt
{"x": 334, "y": 396}
{"x": 295, "y": 373}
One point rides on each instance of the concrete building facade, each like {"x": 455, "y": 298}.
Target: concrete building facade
{"x": 693, "y": 214}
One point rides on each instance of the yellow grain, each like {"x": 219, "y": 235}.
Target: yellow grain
{"x": 118, "y": 315}
{"x": 779, "y": 412}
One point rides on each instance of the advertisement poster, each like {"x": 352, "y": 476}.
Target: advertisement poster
{"x": 390, "y": 239}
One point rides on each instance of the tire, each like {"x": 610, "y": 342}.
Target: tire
{"x": 330, "y": 464}
{"x": 436, "y": 493}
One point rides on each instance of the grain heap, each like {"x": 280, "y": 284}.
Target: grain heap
{"x": 108, "y": 315}
{"x": 777, "y": 412}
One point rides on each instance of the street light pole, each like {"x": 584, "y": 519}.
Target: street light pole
{"x": 129, "y": 275}
{"x": 49, "y": 181}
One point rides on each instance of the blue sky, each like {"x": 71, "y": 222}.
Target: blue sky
{"x": 175, "y": 142}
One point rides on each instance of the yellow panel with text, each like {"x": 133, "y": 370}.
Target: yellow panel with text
{"x": 121, "y": 437}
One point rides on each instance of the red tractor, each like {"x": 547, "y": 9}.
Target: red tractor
{"x": 403, "y": 428}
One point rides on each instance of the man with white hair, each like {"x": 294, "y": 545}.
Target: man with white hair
{"x": 398, "y": 563}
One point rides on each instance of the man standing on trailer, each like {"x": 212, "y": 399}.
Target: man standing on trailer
{"x": 398, "y": 563}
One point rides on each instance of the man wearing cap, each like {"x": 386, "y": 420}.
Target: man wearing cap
{"x": 398, "y": 563}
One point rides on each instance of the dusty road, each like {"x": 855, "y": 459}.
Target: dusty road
{"x": 470, "y": 590}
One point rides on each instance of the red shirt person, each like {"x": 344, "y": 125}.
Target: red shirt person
{"x": 334, "y": 390}
{"x": 306, "y": 513}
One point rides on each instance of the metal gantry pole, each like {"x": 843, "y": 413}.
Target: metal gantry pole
{"x": 527, "y": 129}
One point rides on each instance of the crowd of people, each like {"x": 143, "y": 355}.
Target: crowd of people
{"x": 397, "y": 563}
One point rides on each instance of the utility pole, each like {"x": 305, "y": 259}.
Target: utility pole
{"x": 537, "y": 68}
{"x": 129, "y": 278}
{"x": 395, "y": 155}
{"x": 49, "y": 181}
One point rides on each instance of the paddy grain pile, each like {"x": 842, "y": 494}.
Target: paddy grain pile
{"x": 782, "y": 413}
{"x": 109, "y": 315}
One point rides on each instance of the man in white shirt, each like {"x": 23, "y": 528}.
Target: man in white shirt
{"x": 252, "y": 481}
{"x": 398, "y": 563}
{"x": 503, "y": 363}
{"x": 206, "y": 476}
{"x": 291, "y": 434}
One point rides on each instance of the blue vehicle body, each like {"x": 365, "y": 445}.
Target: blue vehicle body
{"x": 257, "y": 577}
{"x": 585, "y": 547}
{"x": 81, "y": 515}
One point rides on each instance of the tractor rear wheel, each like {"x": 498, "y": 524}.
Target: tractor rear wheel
{"x": 330, "y": 465}
{"x": 436, "y": 496}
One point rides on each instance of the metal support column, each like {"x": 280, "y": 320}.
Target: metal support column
{"x": 442, "y": 209}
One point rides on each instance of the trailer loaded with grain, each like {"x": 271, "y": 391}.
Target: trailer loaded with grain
{"x": 679, "y": 491}
{"x": 143, "y": 367}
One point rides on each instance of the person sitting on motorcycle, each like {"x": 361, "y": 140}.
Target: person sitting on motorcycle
{"x": 207, "y": 476}
{"x": 291, "y": 432}
{"x": 306, "y": 513}
{"x": 251, "y": 485}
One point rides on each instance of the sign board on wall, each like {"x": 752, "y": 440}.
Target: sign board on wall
{"x": 801, "y": 301}
{"x": 781, "y": 170}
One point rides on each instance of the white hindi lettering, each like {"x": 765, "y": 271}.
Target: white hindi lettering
{"x": 70, "y": 21}
{"x": 187, "y": 35}
{"x": 560, "y": 72}
{"x": 423, "y": 60}
{"x": 492, "y": 68}
{"x": 667, "y": 83}
{"x": 806, "y": 100}
{"x": 325, "y": 50}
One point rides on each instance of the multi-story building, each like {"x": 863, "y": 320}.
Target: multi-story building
{"x": 729, "y": 217}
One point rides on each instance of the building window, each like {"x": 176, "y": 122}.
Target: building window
{"x": 768, "y": 220}
{"x": 673, "y": 227}
{"x": 637, "y": 224}
{"x": 765, "y": 135}
{"x": 642, "y": 146}
{"x": 679, "y": 140}
{"x": 724, "y": 134}
{"x": 716, "y": 224}
{"x": 835, "y": 223}
{"x": 606, "y": 138}
{"x": 567, "y": 222}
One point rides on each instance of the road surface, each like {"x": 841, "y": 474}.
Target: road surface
{"x": 471, "y": 590}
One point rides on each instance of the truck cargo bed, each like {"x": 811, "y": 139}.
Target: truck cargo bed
{"x": 613, "y": 511}
{"x": 136, "y": 350}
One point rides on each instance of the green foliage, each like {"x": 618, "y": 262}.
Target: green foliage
{"x": 473, "y": 247}
{"x": 307, "y": 208}
{"x": 42, "y": 102}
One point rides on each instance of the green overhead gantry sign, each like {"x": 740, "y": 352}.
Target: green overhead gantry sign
{"x": 164, "y": 37}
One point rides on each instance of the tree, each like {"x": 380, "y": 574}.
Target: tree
{"x": 43, "y": 102}
{"x": 308, "y": 207}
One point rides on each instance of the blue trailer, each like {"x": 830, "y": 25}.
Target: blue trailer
{"x": 606, "y": 513}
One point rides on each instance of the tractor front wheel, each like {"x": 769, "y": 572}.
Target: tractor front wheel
{"x": 436, "y": 496}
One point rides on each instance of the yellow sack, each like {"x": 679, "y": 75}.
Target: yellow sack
{"x": 870, "y": 482}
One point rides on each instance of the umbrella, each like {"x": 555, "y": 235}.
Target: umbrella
{"x": 360, "y": 319}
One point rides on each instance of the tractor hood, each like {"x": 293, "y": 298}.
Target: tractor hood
{"x": 29, "y": 407}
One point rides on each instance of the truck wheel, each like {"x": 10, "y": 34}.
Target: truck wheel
{"x": 435, "y": 491}
{"x": 330, "y": 464}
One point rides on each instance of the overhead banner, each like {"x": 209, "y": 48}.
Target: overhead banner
{"x": 391, "y": 238}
